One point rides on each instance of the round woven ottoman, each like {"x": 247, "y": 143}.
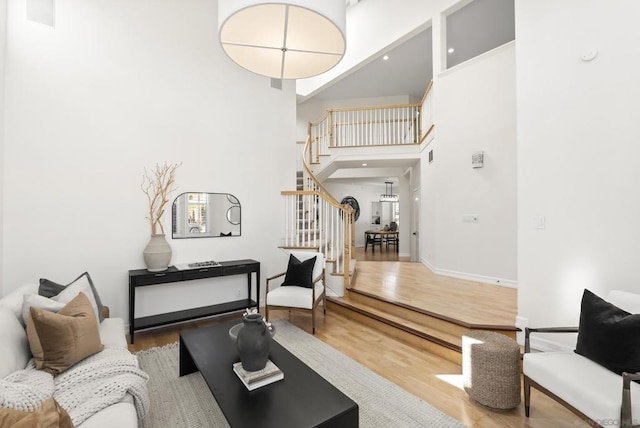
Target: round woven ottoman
{"x": 491, "y": 369}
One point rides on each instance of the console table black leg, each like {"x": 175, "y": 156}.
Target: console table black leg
{"x": 132, "y": 305}
{"x": 258, "y": 289}
{"x": 187, "y": 366}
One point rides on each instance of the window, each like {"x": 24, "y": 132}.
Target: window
{"x": 477, "y": 28}
{"x": 197, "y": 212}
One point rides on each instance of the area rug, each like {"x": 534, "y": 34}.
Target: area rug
{"x": 187, "y": 402}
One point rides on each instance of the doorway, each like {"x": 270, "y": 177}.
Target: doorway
{"x": 415, "y": 226}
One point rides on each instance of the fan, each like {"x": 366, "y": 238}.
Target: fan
{"x": 353, "y": 203}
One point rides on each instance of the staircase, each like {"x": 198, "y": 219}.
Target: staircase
{"x": 317, "y": 222}
{"x": 435, "y": 333}
{"x": 314, "y": 219}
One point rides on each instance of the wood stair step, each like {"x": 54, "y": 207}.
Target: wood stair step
{"x": 421, "y": 316}
{"x": 406, "y": 335}
{"x": 447, "y": 339}
{"x": 422, "y": 329}
{"x": 438, "y": 334}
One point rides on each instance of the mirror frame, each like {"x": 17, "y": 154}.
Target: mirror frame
{"x": 230, "y": 214}
{"x": 231, "y": 204}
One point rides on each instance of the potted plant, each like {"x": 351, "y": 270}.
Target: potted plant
{"x": 157, "y": 184}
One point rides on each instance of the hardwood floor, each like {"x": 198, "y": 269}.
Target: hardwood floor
{"x": 415, "y": 285}
{"x": 377, "y": 255}
{"x": 425, "y": 375}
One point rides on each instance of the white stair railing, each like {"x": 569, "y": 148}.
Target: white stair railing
{"x": 375, "y": 126}
{"x": 313, "y": 220}
{"x": 372, "y": 126}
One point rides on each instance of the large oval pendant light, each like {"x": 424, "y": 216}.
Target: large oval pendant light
{"x": 283, "y": 40}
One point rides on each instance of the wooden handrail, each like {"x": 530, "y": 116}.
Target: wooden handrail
{"x": 322, "y": 119}
{"x": 386, "y": 107}
{"x": 313, "y": 176}
{"x": 426, "y": 92}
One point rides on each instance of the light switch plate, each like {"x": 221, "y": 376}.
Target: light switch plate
{"x": 470, "y": 218}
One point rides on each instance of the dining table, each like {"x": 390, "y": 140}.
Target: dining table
{"x": 377, "y": 237}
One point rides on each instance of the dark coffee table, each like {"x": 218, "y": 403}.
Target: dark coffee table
{"x": 302, "y": 399}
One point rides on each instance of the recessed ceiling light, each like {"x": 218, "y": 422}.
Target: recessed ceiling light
{"x": 364, "y": 164}
{"x": 386, "y": 57}
{"x": 451, "y": 50}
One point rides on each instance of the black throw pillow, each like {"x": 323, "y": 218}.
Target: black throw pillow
{"x": 608, "y": 335}
{"x": 49, "y": 288}
{"x": 300, "y": 273}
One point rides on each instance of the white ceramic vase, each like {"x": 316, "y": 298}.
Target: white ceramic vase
{"x": 157, "y": 254}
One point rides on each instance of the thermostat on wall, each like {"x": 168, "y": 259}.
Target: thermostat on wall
{"x": 477, "y": 159}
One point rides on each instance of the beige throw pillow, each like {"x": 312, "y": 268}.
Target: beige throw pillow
{"x": 49, "y": 415}
{"x": 59, "y": 340}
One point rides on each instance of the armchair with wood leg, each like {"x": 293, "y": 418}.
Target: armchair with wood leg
{"x": 595, "y": 380}
{"x": 302, "y": 287}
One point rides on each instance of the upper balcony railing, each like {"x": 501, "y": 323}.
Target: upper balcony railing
{"x": 372, "y": 126}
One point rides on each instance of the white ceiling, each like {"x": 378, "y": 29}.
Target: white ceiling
{"x": 477, "y": 27}
{"x": 408, "y": 71}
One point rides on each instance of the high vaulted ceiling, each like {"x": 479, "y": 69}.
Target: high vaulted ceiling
{"x": 407, "y": 71}
{"x": 475, "y": 28}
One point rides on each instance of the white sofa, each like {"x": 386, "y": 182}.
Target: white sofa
{"x": 596, "y": 394}
{"x": 16, "y": 353}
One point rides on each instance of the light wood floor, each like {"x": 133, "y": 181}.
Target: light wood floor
{"x": 415, "y": 285}
{"x": 427, "y": 376}
{"x": 378, "y": 255}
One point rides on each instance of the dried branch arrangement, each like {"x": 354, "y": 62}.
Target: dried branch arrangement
{"x": 157, "y": 184}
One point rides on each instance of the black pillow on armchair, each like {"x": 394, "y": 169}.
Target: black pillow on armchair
{"x": 300, "y": 273}
{"x": 608, "y": 335}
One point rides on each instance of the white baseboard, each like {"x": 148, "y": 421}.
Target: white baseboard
{"x": 471, "y": 277}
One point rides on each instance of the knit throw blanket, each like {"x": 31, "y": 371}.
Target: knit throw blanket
{"x": 89, "y": 386}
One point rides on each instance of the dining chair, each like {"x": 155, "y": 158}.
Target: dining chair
{"x": 373, "y": 239}
{"x": 392, "y": 239}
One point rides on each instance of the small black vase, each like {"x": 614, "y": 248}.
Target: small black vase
{"x": 254, "y": 343}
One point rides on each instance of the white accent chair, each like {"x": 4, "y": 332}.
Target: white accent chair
{"x": 291, "y": 296}
{"x": 596, "y": 394}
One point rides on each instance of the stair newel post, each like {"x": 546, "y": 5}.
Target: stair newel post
{"x": 332, "y": 142}
{"x": 346, "y": 244}
{"x": 352, "y": 250}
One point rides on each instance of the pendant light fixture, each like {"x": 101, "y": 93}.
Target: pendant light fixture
{"x": 283, "y": 40}
{"x": 388, "y": 195}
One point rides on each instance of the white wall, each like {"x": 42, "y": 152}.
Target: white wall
{"x": 474, "y": 110}
{"x": 578, "y": 147}
{"x": 3, "y": 40}
{"x": 364, "y": 194}
{"x": 116, "y": 87}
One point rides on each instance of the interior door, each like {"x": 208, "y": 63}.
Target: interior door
{"x": 415, "y": 227}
